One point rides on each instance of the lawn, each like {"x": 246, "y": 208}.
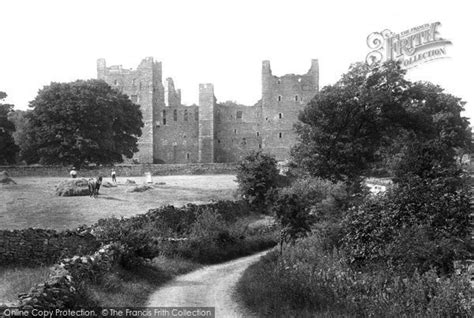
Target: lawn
{"x": 32, "y": 202}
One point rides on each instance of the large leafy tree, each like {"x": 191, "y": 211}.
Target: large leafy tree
{"x": 372, "y": 115}
{"x": 8, "y": 148}
{"x": 81, "y": 122}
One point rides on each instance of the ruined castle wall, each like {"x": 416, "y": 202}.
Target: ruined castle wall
{"x": 177, "y": 135}
{"x": 237, "y": 132}
{"x": 144, "y": 87}
{"x": 282, "y": 100}
{"x": 207, "y": 112}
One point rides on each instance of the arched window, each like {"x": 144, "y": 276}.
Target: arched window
{"x": 175, "y": 115}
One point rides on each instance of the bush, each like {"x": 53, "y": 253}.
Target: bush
{"x": 306, "y": 281}
{"x": 293, "y": 216}
{"x": 212, "y": 239}
{"x": 257, "y": 174}
{"x": 434, "y": 214}
{"x": 136, "y": 237}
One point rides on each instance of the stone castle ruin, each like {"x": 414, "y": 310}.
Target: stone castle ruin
{"x": 211, "y": 132}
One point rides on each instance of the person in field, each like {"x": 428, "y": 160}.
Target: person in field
{"x": 94, "y": 186}
{"x": 114, "y": 178}
{"x": 73, "y": 173}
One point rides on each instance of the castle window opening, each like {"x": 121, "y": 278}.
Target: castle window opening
{"x": 279, "y": 135}
{"x": 196, "y": 115}
{"x": 259, "y": 146}
{"x": 239, "y": 114}
{"x": 187, "y": 156}
{"x": 175, "y": 115}
{"x": 280, "y": 115}
{"x": 296, "y": 98}
{"x": 185, "y": 115}
{"x": 279, "y": 81}
{"x": 218, "y": 141}
{"x": 258, "y": 133}
{"x": 235, "y": 131}
{"x": 164, "y": 117}
{"x": 279, "y": 98}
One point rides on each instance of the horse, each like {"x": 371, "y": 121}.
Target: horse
{"x": 94, "y": 186}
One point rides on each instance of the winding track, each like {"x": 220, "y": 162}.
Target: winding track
{"x": 211, "y": 286}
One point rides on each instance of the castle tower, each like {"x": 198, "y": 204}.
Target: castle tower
{"x": 101, "y": 69}
{"x": 282, "y": 100}
{"x": 206, "y": 122}
{"x": 144, "y": 88}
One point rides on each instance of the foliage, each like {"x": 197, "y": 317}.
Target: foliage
{"x": 293, "y": 216}
{"x": 135, "y": 237}
{"x": 308, "y": 282}
{"x": 8, "y": 148}
{"x": 434, "y": 214}
{"x": 81, "y": 122}
{"x": 257, "y": 174}
{"x": 369, "y": 116}
{"x": 206, "y": 233}
{"x": 344, "y": 125}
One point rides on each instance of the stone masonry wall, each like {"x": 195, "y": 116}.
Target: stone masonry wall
{"x": 122, "y": 170}
{"x": 238, "y": 132}
{"x": 142, "y": 85}
{"x": 31, "y": 247}
{"x": 177, "y": 139}
{"x": 282, "y": 100}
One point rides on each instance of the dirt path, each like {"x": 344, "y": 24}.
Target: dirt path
{"x": 212, "y": 286}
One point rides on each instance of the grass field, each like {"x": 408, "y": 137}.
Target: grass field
{"x": 19, "y": 280}
{"x": 32, "y": 202}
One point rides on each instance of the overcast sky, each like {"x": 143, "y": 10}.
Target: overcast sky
{"x": 219, "y": 42}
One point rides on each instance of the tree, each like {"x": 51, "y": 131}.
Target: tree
{"x": 81, "y": 122}
{"x": 293, "y": 216}
{"x": 369, "y": 116}
{"x": 8, "y": 148}
{"x": 257, "y": 173}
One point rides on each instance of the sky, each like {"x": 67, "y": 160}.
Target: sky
{"x": 220, "y": 42}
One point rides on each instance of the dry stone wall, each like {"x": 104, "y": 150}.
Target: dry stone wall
{"x": 123, "y": 170}
{"x": 31, "y": 247}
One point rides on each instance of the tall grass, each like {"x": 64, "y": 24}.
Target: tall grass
{"x": 306, "y": 281}
{"x": 131, "y": 286}
{"x": 14, "y": 281}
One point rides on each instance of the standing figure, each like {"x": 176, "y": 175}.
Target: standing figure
{"x": 114, "y": 179}
{"x": 73, "y": 172}
{"x": 94, "y": 186}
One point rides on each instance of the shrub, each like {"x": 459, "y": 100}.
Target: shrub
{"x": 434, "y": 214}
{"x": 136, "y": 237}
{"x": 257, "y": 174}
{"x": 293, "y": 216}
{"x": 307, "y": 281}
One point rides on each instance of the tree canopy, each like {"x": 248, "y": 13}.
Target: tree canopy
{"x": 81, "y": 122}
{"x": 8, "y": 148}
{"x": 373, "y": 115}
